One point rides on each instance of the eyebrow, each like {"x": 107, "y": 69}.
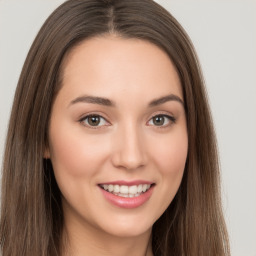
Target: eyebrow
{"x": 93, "y": 100}
{"x": 110, "y": 103}
{"x": 162, "y": 100}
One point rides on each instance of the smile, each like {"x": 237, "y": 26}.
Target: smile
{"x": 126, "y": 191}
{"x": 127, "y": 194}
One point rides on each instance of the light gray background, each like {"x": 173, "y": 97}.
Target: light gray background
{"x": 224, "y": 35}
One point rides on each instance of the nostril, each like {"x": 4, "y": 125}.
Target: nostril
{"x": 128, "y": 149}
{"x": 128, "y": 161}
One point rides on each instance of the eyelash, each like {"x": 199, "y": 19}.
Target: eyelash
{"x": 170, "y": 118}
{"x": 83, "y": 119}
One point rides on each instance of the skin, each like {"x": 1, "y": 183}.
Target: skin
{"x": 126, "y": 145}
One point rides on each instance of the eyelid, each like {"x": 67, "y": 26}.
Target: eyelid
{"x": 84, "y": 117}
{"x": 171, "y": 118}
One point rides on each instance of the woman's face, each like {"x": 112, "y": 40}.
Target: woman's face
{"x": 117, "y": 137}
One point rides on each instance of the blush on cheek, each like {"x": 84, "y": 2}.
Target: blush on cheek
{"x": 172, "y": 158}
{"x": 65, "y": 157}
{"x": 77, "y": 154}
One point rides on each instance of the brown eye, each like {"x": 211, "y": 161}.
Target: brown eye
{"x": 93, "y": 121}
{"x": 162, "y": 120}
{"x": 158, "y": 120}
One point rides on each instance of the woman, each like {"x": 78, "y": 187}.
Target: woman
{"x": 111, "y": 148}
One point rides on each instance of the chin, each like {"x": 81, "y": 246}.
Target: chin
{"x": 128, "y": 228}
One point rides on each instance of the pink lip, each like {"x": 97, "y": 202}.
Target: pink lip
{"x": 127, "y": 202}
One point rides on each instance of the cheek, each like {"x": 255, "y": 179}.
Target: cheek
{"x": 74, "y": 154}
{"x": 77, "y": 160}
{"x": 170, "y": 154}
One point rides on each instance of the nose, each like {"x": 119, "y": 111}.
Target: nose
{"x": 129, "y": 149}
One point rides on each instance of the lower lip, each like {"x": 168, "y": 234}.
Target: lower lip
{"x": 128, "y": 202}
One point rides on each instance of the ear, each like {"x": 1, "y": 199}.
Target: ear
{"x": 47, "y": 154}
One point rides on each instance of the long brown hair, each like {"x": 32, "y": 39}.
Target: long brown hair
{"x": 31, "y": 211}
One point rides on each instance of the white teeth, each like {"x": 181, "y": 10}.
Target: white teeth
{"x": 133, "y": 190}
{"x": 140, "y": 188}
{"x": 144, "y": 187}
{"x": 123, "y": 189}
{"x": 116, "y": 188}
{"x": 110, "y": 188}
{"x": 126, "y": 191}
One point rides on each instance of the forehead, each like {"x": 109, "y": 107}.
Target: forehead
{"x": 109, "y": 65}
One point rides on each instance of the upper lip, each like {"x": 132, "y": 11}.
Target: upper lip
{"x": 127, "y": 183}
